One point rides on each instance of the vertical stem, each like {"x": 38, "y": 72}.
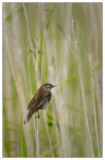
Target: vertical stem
{"x": 37, "y": 82}
{"x": 94, "y": 107}
{"x": 38, "y": 146}
{"x": 37, "y": 75}
{"x": 27, "y": 24}
{"x": 35, "y": 60}
{"x": 84, "y": 103}
{"x": 77, "y": 57}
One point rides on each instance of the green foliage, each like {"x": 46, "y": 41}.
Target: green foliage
{"x": 20, "y": 10}
{"x": 9, "y": 17}
{"x": 50, "y": 15}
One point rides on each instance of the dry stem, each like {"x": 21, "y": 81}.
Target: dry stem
{"x": 77, "y": 57}
{"x": 37, "y": 76}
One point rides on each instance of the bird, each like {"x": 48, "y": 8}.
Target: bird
{"x": 39, "y": 101}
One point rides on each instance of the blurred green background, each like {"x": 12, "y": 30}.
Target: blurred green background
{"x": 59, "y": 43}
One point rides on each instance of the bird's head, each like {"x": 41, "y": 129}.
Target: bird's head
{"x": 48, "y": 86}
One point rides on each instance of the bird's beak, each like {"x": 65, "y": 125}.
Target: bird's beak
{"x": 55, "y": 86}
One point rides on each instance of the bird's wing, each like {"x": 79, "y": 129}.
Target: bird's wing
{"x": 44, "y": 98}
{"x": 34, "y": 100}
{"x": 39, "y": 99}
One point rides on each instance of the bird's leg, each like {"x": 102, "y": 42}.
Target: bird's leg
{"x": 38, "y": 116}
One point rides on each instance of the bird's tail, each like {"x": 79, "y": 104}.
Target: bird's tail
{"x": 28, "y": 117}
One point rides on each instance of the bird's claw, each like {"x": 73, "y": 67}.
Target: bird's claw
{"x": 38, "y": 116}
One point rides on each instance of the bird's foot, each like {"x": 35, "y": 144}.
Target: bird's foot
{"x": 38, "y": 116}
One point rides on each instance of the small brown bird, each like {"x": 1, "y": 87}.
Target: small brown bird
{"x": 39, "y": 101}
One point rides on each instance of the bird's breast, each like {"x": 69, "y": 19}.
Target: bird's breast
{"x": 46, "y": 99}
{"x": 45, "y": 105}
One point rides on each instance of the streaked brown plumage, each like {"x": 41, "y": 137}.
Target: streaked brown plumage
{"x": 39, "y": 101}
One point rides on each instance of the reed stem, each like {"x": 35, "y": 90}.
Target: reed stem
{"x": 37, "y": 76}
